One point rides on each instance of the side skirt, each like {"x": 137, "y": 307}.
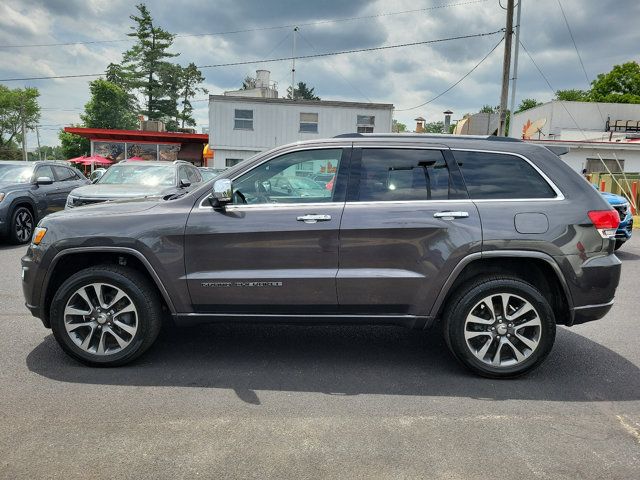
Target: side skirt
{"x": 409, "y": 321}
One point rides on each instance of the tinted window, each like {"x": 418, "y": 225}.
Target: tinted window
{"x": 279, "y": 180}
{"x": 45, "y": 171}
{"x": 64, "y": 173}
{"x": 496, "y": 176}
{"x": 403, "y": 174}
{"x": 183, "y": 173}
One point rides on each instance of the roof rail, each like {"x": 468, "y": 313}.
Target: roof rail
{"x": 491, "y": 138}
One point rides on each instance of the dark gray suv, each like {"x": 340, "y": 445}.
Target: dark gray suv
{"x": 497, "y": 241}
{"x": 31, "y": 190}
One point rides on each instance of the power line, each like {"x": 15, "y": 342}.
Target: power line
{"x": 337, "y": 71}
{"x": 256, "y": 29}
{"x": 456, "y": 83}
{"x": 282, "y": 59}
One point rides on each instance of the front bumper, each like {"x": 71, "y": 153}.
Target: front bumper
{"x": 625, "y": 229}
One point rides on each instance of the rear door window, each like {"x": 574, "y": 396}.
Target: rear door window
{"x": 501, "y": 176}
{"x": 64, "y": 174}
{"x": 396, "y": 174}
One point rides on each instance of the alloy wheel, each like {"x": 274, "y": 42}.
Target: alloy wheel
{"x": 24, "y": 226}
{"x": 101, "y": 319}
{"x": 502, "y": 330}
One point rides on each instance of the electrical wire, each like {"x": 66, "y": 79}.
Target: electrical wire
{"x": 336, "y": 70}
{"x": 281, "y": 59}
{"x": 573, "y": 119}
{"x": 451, "y": 87}
{"x": 256, "y": 29}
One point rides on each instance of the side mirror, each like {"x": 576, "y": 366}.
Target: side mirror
{"x": 221, "y": 193}
{"x": 44, "y": 181}
{"x": 185, "y": 183}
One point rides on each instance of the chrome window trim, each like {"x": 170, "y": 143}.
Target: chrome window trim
{"x": 279, "y": 153}
{"x": 554, "y": 187}
{"x": 272, "y": 206}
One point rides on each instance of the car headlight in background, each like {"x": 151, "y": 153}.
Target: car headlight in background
{"x": 38, "y": 235}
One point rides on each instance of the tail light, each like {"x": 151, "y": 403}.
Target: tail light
{"x": 606, "y": 221}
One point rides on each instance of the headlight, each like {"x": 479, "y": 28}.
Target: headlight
{"x": 1, "y": 196}
{"x": 38, "y": 235}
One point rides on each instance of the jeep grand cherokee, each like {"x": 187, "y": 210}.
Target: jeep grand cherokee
{"x": 498, "y": 241}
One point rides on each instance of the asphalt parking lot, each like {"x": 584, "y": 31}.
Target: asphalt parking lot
{"x": 224, "y": 401}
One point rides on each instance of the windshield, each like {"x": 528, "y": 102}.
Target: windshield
{"x": 16, "y": 173}
{"x": 150, "y": 175}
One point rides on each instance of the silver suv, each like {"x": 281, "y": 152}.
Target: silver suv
{"x": 497, "y": 241}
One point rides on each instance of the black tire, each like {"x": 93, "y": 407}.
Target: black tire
{"x": 22, "y": 225}
{"x": 143, "y": 294}
{"x": 619, "y": 243}
{"x": 469, "y": 295}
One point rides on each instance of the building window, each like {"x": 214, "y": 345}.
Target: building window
{"x": 243, "y": 120}
{"x": 308, "y": 123}
{"x": 594, "y": 165}
{"x": 231, "y": 162}
{"x": 365, "y": 123}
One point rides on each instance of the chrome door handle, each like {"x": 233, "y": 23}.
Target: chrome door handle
{"x": 314, "y": 218}
{"x": 451, "y": 215}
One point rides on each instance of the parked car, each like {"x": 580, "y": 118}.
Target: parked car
{"x": 496, "y": 240}
{"x": 134, "y": 179}
{"x": 209, "y": 173}
{"x": 621, "y": 204}
{"x": 31, "y": 190}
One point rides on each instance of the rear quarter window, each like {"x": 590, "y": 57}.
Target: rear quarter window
{"x": 501, "y": 176}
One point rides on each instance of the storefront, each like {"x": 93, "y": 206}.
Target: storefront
{"x": 118, "y": 145}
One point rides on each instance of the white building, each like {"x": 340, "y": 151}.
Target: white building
{"x": 242, "y": 126}
{"x": 590, "y": 130}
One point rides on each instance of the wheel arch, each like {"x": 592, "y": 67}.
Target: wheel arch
{"x": 72, "y": 260}
{"x": 537, "y": 268}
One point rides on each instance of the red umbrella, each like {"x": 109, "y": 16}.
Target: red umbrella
{"x": 136, "y": 159}
{"x": 95, "y": 159}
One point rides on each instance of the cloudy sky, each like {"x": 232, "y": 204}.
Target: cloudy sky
{"x": 606, "y": 33}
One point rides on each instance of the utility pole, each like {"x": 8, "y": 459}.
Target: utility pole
{"x": 514, "y": 79}
{"x": 24, "y": 141}
{"x": 39, "y": 149}
{"x": 504, "y": 96}
{"x": 293, "y": 65}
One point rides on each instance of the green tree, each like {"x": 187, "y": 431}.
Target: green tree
{"x": 489, "y": 109}
{"x": 526, "y": 104}
{"x": 109, "y": 107}
{"x": 170, "y": 77}
{"x": 572, "y": 95}
{"x": 190, "y": 82}
{"x": 47, "y": 152}
{"x": 73, "y": 145}
{"x": 433, "y": 127}
{"x": 18, "y": 106}
{"x": 144, "y": 62}
{"x": 397, "y": 127}
{"x": 248, "y": 83}
{"x": 620, "y": 85}
{"x": 303, "y": 92}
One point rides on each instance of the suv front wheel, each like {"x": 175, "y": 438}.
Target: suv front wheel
{"x": 106, "y": 315}
{"x": 499, "y": 326}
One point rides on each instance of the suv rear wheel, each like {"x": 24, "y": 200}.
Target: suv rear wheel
{"x": 22, "y": 223}
{"x": 106, "y": 315}
{"x": 499, "y": 326}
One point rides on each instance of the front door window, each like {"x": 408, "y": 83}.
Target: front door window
{"x": 290, "y": 178}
